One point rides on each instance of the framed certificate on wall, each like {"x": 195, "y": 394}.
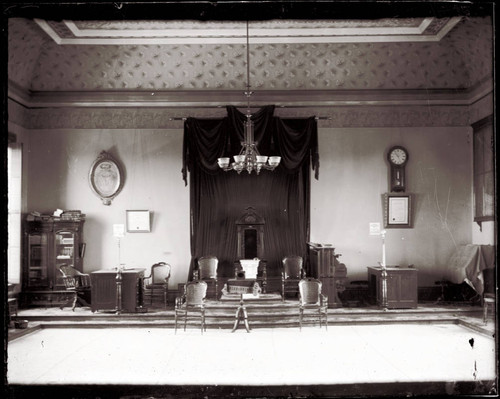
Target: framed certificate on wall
{"x": 397, "y": 210}
{"x": 138, "y": 221}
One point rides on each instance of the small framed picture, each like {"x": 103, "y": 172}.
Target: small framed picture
{"x": 138, "y": 221}
{"x": 397, "y": 210}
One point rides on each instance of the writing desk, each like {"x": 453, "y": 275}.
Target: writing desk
{"x": 402, "y": 288}
{"x": 104, "y": 292}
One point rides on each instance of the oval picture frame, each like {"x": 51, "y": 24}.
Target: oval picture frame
{"x": 106, "y": 177}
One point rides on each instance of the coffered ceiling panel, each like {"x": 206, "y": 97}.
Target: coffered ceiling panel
{"x": 275, "y": 31}
{"x": 460, "y": 59}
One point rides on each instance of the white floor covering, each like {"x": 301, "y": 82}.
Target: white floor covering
{"x": 280, "y": 356}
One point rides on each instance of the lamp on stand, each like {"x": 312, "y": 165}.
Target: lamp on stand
{"x": 119, "y": 232}
{"x": 384, "y": 272}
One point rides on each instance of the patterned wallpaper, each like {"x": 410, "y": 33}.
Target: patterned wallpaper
{"x": 157, "y": 118}
{"x": 458, "y": 61}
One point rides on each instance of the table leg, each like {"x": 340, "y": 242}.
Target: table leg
{"x": 241, "y": 313}
{"x": 245, "y": 315}
{"x": 236, "y": 319}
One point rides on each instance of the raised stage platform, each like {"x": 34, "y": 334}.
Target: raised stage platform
{"x": 267, "y": 312}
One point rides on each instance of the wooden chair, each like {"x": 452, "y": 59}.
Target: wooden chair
{"x": 489, "y": 297}
{"x": 76, "y": 282}
{"x": 193, "y": 300}
{"x": 207, "y": 271}
{"x": 157, "y": 282}
{"x": 311, "y": 298}
{"x": 291, "y": 274}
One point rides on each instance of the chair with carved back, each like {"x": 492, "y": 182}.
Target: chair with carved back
{"x": 193, "y": 300}
{"x": 207, "y": 271}
{"x": 156, "y": 284}
{"x": 77, "y": 282}
{"x": 291, "y": 274}
{"x": 311, "y": 299}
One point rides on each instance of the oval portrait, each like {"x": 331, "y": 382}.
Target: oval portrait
{"x": 105, "y": 177}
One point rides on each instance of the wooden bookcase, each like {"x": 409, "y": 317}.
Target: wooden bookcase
{"x": 49, "y": 243}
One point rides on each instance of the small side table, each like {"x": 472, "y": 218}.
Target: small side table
{"x": 241, "y": 315}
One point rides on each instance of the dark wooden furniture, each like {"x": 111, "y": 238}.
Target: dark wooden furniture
{"x": 324, "y": 265}
{"x": 105, "y": 293}
{"x": 49, "y": 243}
{"x": 76, "y": 282}
{"x": 193, "y": 300}
{"x": 489, "y": 293}
{"x": 312, "y": 299}
{"x": 402, "y": 287}
{"x": 291, "y": 274}
{"x": 157, "y": 282}
{"x": 250, "y": 231}
{"x": 12, "y": 304}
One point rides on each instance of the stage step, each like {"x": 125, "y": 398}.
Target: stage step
{"x": 261, "y": 314}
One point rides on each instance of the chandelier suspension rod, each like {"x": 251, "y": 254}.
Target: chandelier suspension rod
{"x": 248, "y": 92}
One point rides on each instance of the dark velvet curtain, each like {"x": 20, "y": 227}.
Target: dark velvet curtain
{"x": 219, "y": 198}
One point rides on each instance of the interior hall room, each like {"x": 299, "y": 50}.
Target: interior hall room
{"x": 227, "y": 199}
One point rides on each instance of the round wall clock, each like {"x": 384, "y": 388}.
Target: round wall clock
{"x": 398, "y": 158}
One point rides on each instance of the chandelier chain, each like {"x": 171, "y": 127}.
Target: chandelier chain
{"x": 249, "y": 158}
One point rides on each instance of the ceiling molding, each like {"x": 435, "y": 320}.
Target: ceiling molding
{"x": 221, "y": 98}
{"x": 277, "y": 31}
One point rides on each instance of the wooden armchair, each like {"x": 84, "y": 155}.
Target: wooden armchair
{"x": 311, "y": 298}
{"x": 193, "y": 300}
{"x": 207, "y": 271}
{"x": 291, "y": 274}
{"x": 77, "y": 282}
{"x": 157, "y": 282}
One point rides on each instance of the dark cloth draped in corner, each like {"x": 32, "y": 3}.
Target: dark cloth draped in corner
{"x": 219, "y": 198}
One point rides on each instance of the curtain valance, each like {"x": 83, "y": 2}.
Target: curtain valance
{"x": 294, "y": 140}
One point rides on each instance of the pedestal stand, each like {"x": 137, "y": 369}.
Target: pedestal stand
{"x": 119, "y": 291}
{"x": 119, "y": 278}
{"x": 383, "y": 274}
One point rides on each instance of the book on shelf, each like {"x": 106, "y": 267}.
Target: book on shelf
{"x": 71, "y": 215}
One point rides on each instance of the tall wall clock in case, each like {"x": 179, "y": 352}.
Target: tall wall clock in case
{"x": 398, "y": 158}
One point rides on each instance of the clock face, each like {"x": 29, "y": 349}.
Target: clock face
{"x": 398, "y": 156}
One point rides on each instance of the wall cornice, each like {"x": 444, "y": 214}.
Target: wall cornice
{"x": 221, "y": 98}
{"x": 348, "y": 108}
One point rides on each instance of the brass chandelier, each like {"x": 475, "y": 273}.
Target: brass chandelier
{"x": 249, "y": 158}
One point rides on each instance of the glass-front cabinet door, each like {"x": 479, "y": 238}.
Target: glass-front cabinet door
{"x": 64, "y": 253}
{"x": 48, "y": 244}
{"x": 37, "y": 271}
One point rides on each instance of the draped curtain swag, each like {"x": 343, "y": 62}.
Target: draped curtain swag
{"x": 219, "y": 198}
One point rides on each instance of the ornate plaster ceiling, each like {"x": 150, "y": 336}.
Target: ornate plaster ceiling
{"x": 428, "y": 29}
{"x": 298, "y": 62}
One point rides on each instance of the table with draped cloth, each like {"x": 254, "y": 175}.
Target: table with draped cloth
{"x": 470, "y": 263}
